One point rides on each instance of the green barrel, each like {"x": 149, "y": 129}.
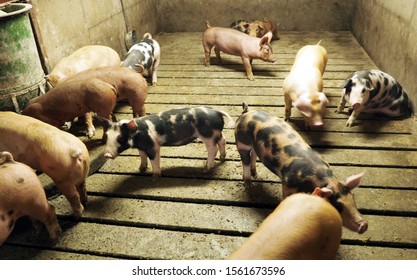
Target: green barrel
{"x": 21, "y": 74}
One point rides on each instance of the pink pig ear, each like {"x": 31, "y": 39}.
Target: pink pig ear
{"x": 132, "y": 125}
{"x": 323, "y": 192}
{"x": 353, "y": 181}
{"x": 266, "y": 39}
{"x": 303, "y": 105}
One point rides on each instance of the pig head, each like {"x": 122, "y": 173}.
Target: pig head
{"x": 303, "y": 86}
{"x": 259, "y": 28}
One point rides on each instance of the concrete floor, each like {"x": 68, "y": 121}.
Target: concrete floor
{"x": 188, "y": 214}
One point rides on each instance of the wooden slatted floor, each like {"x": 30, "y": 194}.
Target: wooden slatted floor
{"x": 188, "y": 214}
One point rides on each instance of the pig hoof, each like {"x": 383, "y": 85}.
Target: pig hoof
{"x": 222, "y": 158}
{"x": 248, "y": 183}
{"x": 155, "y": 176}
{"x": 142, "y": 168}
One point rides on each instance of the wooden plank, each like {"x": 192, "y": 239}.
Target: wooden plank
{"x": 229, "y": 192}
{"x": 232, "y": 170}
{"x": 349, "y": 157}
{"x": 109, "y": 241}
{"x": 210, "y": 218}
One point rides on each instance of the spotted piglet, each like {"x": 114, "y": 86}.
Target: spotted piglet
{"x": 374, "y": 92}
{"x": 174, "y": 127}
{"x": 284, "y": 152}
{"x": 144, "y": 57}
{"x": 240, "y": 25}
{"x": 22, "y": 194}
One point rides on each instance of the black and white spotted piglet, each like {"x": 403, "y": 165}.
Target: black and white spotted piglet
{"x": 174, "y": 127}
{"x": 374, "y": 92}
{"x": 144, "y": 57}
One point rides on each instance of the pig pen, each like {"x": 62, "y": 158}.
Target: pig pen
{"x": 188, "y": 214}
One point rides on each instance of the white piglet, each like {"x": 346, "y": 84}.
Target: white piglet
{"x": 303, "y": 87}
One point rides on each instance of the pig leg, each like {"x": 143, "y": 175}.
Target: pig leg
{"x": 352, "y": 118}
{"x": 83, "y": 193}
{"x": 245, "y": 156}
{"x": 155, "y": 159}
{"x": 212, "y": 149}
{"x": 72, "y": 195}
{"x": 341, "y": 105}
{"x": 288, "y": 107}
{"x": 49, "y": 219}
{"x": 143, "y": 161}
{"x": 222, "y": 147}
{"x": 207, "y": 52}
{"x": 219, "y": 59}
{"x": 90, "y": 127}
{"x": 253, "y": 158}
{"x": 248, "y": 67}
{"x": 154, "y": 72}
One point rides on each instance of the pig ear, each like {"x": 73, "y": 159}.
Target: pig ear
{"x": 347, "y": 83}
{"x": 266, "y": 39}
{"x": 353, "y": 181}
{"x": 323, "y": 192}
{"x": 323, "y": 98}
{"x": 104, "y": 122}
{"x": 132, "y": 125}
{"x": 304, "y": 106}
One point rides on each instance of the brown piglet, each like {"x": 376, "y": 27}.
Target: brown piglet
{"x": 302, "y": 227}
{"x": 95, "y": 90}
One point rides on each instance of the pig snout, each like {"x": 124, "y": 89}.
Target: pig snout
{"x": 356, "y": 105}
{"x": 109, "y": 155}
{"x": 356, "y": 226}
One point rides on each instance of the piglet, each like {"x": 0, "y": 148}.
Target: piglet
{"x": 174, "y": 127}
{"x": 284, "y": 152}
{"x": 85, "y": 58}
{"x": 259, "y": 28}
{"x": 302, "y": 227}
{"x": 144, "y": 57}
{"x": 374, "y": 92}
{"x": 233, "y": 42}
{"x": 22, "y": 194}
{"x": 95, "y": 90}
{"x": 303, "y": 86}
{"x": 58, "y": 154}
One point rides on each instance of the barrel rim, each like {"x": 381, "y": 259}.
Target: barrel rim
{"x": 24, "y": 8}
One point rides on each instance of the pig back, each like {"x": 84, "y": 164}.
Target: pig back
{"x": 311, "y": 56}
{"x": 87, "y": 57}
{"x": 43, "y": 147}
{"x": 303, "y": 226}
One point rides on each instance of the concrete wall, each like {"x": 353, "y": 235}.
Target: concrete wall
{"x": 387, "y": 30}
{"x": 305, "y": 15}
{"x": 63, "y": 26}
